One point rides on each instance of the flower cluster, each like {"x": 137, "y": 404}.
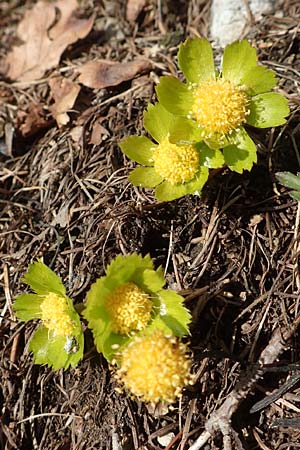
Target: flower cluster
{"x": 130, "y": 300}
{"x": 200, "y": 125}
{"x": 58, "y": 341}
{"x": 135, "y": 322}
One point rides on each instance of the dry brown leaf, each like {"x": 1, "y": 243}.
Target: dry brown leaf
{"x": 45, "y": 40}
{"x": 133, "y": 9}
{"x": 32, "y": 121}
{"x": 101, "y": 74}
{"x": 64, "y": 92}
{"x": 98, "y": 132}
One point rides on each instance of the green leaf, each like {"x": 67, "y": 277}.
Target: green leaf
{"x": 134, "y": 268}
{"x": 210, "y": 157}
{"x": 259, "y": 79}
{"x": 268, "y": 110}
{"x": 145, "y": 176}
{"x": 295, "y": 195}
{"x": 184, "y": 131}
{"x": 58, "y": 352}
{"x": 238, "y": 59}
{"x": 167, "y": 191}
{"x": 43, "y": 280}
{"x": 195, "y": 58}
{"x": 175, "y": 96}
{"x": 157, "y": 121}
{"x": 241, "y": 154}
{"x": 289, "y": 180}
{"x": 27, "y": 306}
{"x": 153, "y": 280}
{"x": 173, "y": 313}
{"x": 139, "y": 149}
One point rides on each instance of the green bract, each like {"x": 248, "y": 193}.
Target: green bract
{"x": 130, "y": 300}
{"x": 58, "y": 341}
{"x": 214, "y": 106}
{"x": 174, "y": 170}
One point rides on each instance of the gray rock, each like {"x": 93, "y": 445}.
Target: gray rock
{"x": 229, "y": 18}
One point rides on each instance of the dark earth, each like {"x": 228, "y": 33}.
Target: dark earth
{"x": 233, "y": 253}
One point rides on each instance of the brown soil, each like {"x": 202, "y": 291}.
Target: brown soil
{"x": 232, "y": 253}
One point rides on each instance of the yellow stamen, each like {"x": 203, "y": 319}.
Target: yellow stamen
{"x": 155, "y": 368}
{"x": 219, "y": 107}
{"x": 129, "y": 307}
{"x": 54, "y": 315}
{"x": 176, "y": 164}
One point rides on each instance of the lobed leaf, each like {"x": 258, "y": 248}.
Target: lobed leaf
{"x": 139, "y": 149}
{"x": 210, "y": 157}
{"x": 195, "y": 58}
{"x": 238, "y": 59}
{"x": 175, "y": 96}
{"x": 157, "y": 121}
{"x": 43, "y": 280}
{"x": 53, "y": 351}
{"x": 241, "y": 154}
{"x": 268, "y": 110}
{"x": 27, "y": 306}
{"x": 258, "y": 80}
{"x": 145, "y": 176}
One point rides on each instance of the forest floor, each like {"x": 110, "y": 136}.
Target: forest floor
{"x": 233, "y": 253}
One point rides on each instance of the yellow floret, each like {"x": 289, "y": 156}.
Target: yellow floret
{"x": 129, "y": 307}
{"x": 155, "y": 368}
{"x": 219, "y": 107}
{"x": 176, "y": 164}
{"x": 54, "y": 315}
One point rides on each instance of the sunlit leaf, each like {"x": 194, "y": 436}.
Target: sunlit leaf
{"x": 268, "y": 110}
{"x": 27, "y": 306}
{"x": 139, "y": 149}
{"x": 259, "y": 79}
{"x": 43, "y": 280}
{"x": 145, "y": 176}
{"x": 238, "y": 59}
{"x": 157, "y": 121}
{"x": 195, "y": 58}
{"x": 175, "y": 96}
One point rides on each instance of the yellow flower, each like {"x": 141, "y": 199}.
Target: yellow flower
{"x": 176, "y": 164}
{"x": 219, "y": 107}
{"x": 155, "y": 368}
{"x": 130, "y": 308}
{"x": 55, "y": 316}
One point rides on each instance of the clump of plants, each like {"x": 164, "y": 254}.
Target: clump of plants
{"x": 202, "y": 124}
{"x": 129, "y": 313}
{"x": 137, "y": 324}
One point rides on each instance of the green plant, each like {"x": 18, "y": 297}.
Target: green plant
{"x": 290, "y": 181}
{"x": 174, "y": 170}
{"x": 58, "y": 341}
{"x": 215, "y": 106}
{"x": 130, "y": 299}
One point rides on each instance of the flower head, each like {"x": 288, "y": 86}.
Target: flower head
{"x": 219, "y": 107}
{"x": 130, "y": 308}
{"x": 218, "y": 104}
{"x": 174, "y": 169}
{"x": 55, "y": 315}
{"x": 58, "y": 341}
{"x": 155, "y": 368}
{"x": 130, "y": 299}
{"x": 176, "y": 164}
